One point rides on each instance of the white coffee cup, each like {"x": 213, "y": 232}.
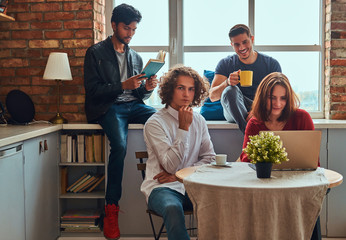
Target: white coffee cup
{"x": 221, "y": 159}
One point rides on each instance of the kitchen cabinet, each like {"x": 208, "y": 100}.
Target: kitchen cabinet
{"x": 336, "y": 198}
{"x": 12, "y": 221}
{"x": 41, "y": 187}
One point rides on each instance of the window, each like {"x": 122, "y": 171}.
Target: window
{"x": 195, "y": 32}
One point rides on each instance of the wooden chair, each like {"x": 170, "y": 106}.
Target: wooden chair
{"x": 141, "y": 166}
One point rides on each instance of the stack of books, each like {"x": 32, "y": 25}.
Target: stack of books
{"x": 87, "y": 183}
{"x": 81, "y": 220}
{"x": 82, "y": 148}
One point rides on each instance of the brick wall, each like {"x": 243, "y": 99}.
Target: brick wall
{"x": 41, "y": 27}
{"x": 335, "y": 59}
{"x": 44, "y": 26}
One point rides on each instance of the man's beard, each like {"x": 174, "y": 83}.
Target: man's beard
{"x": 122, "y": 40}
{"x": 250, "y": 53}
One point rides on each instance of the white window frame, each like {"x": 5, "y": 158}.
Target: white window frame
{"x": 176, "y": 46}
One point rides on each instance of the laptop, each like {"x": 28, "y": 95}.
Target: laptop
{"x": 302, "y": 147}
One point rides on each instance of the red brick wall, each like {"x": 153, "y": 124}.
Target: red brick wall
{"x": 335, "y": 60}
{"x": 41, "y": 27}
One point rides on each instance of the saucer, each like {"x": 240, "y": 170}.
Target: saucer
{"x": 228, "y": 164}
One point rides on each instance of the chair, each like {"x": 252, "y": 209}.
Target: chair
{"x": 141, "y": 166}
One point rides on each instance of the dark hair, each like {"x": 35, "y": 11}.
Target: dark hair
{"x": 125, "y": 13}
{"x": 265, "y": 90}
{"x": 169, "y": 82}
{"x": 239, "y": 29}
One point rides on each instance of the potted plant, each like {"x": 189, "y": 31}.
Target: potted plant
{"x": 263, "y": 150}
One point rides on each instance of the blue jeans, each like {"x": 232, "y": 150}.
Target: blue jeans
{"x": 235, "y": 106}
{"x": 115, "y": 125}
{"x": 170, "y": 204}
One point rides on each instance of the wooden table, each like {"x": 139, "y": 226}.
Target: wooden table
{"x": 334, "y": 178}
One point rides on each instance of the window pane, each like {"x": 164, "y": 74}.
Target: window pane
{"x": 302, "y": 69}
{"x": 201, "y": 61}
{"x": 208, "y": 22}
{"x": 153, "y": 28}
{"x": 294, "y": 22}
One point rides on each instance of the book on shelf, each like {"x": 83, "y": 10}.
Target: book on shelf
{"x": 82, "y": 185}
{"x": 83, "y": 229}
{"x": 97, "y": 140}
{"x": 103, "y": 148}
{"x": 89, "y": 152}
{"x": 90, "y": 183}
{"x": 154, "y": 64}
{"x": 63, "y": 148}
{"x": 77, "y": 224}
{"x": 81, "y": 214}
{"x": 80, "y": 182}
{"x": 96, "y": 184}
{"x": 87, "y": 182}
{"x": 74, "y": 148}
{"x": 63, "y": 180}
{"x": 69, "y": 149}
{"x": 83, "y": 224}
{"x": 80, "y": 221}
{"x": 76, "y": 182}
{"x": 80, "y": 148}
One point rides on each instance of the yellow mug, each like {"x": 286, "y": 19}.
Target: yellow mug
{"x": 246, "y": 78}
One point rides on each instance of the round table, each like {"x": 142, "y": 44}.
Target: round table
{"x": 232, "y": 203}
{"x": 334, "y": 178}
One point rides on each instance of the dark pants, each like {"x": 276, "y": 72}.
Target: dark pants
{"x": 235, "y": 106}
{"x": 115, "y": 125}
{"x": 316, "y": 234}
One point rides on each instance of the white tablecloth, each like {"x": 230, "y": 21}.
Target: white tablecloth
{"x": 232, "y": 203}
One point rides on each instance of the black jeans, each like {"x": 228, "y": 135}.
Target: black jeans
{"x": 316, "y": 234}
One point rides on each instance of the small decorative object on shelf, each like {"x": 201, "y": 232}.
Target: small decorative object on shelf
{"x": 263, "y": 150}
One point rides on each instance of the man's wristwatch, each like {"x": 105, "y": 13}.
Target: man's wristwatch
{"x": 227, "y": 82}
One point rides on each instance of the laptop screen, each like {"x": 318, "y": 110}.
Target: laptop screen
{"x": 302, "y": 147}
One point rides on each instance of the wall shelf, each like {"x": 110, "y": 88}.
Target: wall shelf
{"x": 5, "y": 18}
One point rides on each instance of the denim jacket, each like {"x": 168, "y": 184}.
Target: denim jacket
{"x": 102, "y": 78}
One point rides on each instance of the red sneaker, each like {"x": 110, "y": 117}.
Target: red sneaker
{"x": 110, "y": 222}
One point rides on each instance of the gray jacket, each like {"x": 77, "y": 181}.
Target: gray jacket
{"x": 102, "y": 78}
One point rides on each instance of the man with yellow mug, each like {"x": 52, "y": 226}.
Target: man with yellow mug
{"x": 238, "y": 76}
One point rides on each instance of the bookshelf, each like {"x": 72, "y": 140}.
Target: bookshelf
{"x": 72, "y": 171}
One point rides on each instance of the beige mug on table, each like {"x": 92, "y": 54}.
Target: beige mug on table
{"x": 221, "y": 159}
{"x": 246, "y": 78}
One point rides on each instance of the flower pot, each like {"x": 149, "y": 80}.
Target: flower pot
{"x": 264, "y": 169}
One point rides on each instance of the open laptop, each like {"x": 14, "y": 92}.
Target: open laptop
{"x": 302, "y": 147}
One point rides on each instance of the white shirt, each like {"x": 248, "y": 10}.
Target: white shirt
{"x": 174, "y": 148}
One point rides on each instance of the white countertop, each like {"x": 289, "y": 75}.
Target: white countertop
{"x": 15, "y": 133}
